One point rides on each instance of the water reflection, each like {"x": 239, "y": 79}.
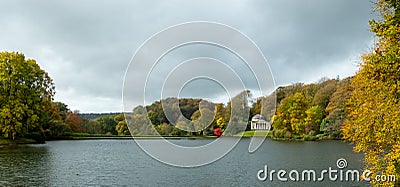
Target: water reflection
{"x": 123, "y": 163}
{"x": 24, "y": 165}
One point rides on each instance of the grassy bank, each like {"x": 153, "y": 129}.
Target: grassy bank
{"x": 246, "y": 134}
{"x": 270, "y": 134}
{"x": 16, "y": 141}
{"x": 252, "y": 133}
{"x": 87, "y": 136}
{"x": 91, "y": 135}
{"x": 308, "y": 137}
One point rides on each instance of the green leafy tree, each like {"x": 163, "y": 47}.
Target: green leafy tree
{"x": 94, "y": 127}
{"x": 26, "y": 93}
{"x": 156, "y": 113}
{"x": 107, "y": 124}
{"x": 374, "y": 123}
{"x": 56, "y": 128}
{"x": 62, "y": 110}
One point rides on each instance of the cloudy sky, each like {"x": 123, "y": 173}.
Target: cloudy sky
{"x": 86, "y": 46}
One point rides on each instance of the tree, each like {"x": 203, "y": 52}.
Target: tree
{"x": 324, "y": 94}
{"x": 138, "y": 123}
{"x": 291, "y": 114}
{"x": 202, "y": 119}
{"x": 56, "y": 125}
{"x": 107, "y": 124}
{"x": 315, "y": 115}
{"x": 62, "y": 109}
{"x": 185, "y": 127}
{"x": 281, "y": 121}
{"x": 374, "y": 123}
{"x": 219, "y": 121}
{"x": 165, "y": 129}
{"x": 156, "y": 113}
{"x": 238, "y": 112}
{"x": 121, "y": 127}
{"x": 94, "y": 127}
{"x": 26, "y": 92}
{"x": 337, "y": 108}
{"x": 296, "y": 110}
{"x": 189, "y": 105}
{"x": 75, "y": 122}
{"x": 266, "y": 106}
{"x": 56, "y": 128}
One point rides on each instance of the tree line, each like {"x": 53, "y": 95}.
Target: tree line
{"x": 295, "y": 111}
{"x": 186, "y": 118}
{"x": 27, "y": 109}
{"x": 374, "y": 108}
{"x": 305, "y": 110}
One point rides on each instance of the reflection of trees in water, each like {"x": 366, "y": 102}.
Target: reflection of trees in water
{"x": 25, "y": 165}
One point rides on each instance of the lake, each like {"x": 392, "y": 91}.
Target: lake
{"x": 123, "y": 163}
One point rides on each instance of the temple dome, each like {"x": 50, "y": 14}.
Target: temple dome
{"x": 258, "y": 117}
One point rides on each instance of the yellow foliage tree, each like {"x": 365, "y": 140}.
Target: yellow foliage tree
{"x": 26, "y": 93}
{"x": 374, "y": 113}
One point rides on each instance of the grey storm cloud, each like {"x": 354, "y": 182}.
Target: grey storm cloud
{"x": 86, "y": 46}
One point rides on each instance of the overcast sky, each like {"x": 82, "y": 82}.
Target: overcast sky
{"x": 86, "y": 46}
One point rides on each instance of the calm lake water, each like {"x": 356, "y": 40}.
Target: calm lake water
{"x": 123, "y": 163}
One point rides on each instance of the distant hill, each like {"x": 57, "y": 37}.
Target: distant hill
{"x": 91, "y": 116}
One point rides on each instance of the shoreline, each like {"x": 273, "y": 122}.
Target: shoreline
{"x": 19, "y": 141}
{"x": 132, "y": 138}
{"x": 247, "y": 134}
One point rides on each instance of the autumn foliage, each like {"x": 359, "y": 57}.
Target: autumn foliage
{"x": 218, "y": 132}
{"x": 374, "y": 112}
{"x": 26, "y": 94}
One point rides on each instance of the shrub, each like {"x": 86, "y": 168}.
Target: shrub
{"x": 288, "y": 135}
{"x": 35, "y": 136}
{"x": 279, "y": 133}
{"x": 312, "y": 133}
{"x": 297, "y": 137}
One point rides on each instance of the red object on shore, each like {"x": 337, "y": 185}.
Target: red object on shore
{"x": 218, "y": 132}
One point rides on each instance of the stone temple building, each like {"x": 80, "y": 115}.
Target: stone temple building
{"x": 258, "y": 122}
